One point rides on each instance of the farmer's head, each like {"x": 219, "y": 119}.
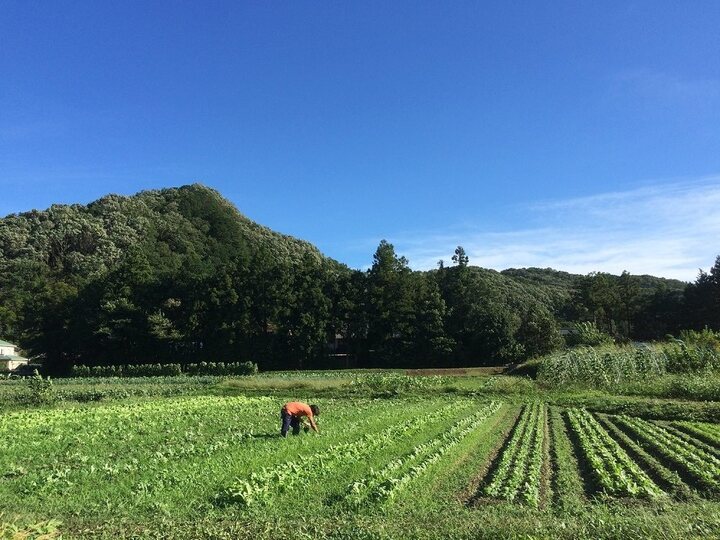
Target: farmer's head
{"x": 315, "y": 410}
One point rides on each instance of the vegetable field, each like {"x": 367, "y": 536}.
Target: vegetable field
{"x": 407, "y": 467}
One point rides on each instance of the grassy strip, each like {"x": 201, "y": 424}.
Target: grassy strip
{"x": 567, "y": 484}
{"x": 357, "y": 493}
{"x": 682, "y": 521}
{"x": 451, "y": 483}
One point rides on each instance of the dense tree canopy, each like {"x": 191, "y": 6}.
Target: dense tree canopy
{"x": 180, "y": 275}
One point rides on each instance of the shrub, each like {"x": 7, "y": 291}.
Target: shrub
{"x": 587, "y": 334}
{"x": 41, "y": 390}
{"x": 684, "y": 358}
{"x": 166, "y": 370}
{"x": 705, "y": 338}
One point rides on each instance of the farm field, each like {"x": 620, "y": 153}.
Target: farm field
{"x": 431, "y": 465}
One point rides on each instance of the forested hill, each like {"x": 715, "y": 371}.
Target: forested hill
{"x": 170, "y": 226}
{"x": 563, "y": 282}
{"x": 113, "y": 277}
{"x": 181, "y": 275}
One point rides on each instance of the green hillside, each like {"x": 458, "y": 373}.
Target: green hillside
{"x": 181, "y": 275}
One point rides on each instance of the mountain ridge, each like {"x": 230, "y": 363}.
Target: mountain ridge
{"x": 259, "y": 232}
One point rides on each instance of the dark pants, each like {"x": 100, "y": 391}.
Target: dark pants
{"x": 287, "y": 421}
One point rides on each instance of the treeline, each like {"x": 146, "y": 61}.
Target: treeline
{"x": 642, "y": 308}
{"x": 179, "y": 276}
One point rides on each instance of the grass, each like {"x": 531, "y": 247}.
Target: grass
{"x": 151, "y": 463}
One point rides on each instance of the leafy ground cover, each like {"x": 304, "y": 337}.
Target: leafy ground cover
{"x": 502, "y": 459}
{"x": 518, "y": 472}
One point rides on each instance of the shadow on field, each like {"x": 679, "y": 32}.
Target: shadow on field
{"x": 274, "y": 435}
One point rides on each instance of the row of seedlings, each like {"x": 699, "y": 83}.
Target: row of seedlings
{"x": 709, "y": 433}
{"x": 696, "y": 441}
{"x": 615, "y": 473}
{"x": 519, "y": 471}
{"x": 668, "y": 479}
{"x": 701, "y": 466}
{"x": 382, "y": 485}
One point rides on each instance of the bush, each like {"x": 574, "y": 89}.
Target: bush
{"x": 587, "y": 334}
{"x": 684, "y": 358}
{"x": 705, "y": 338}
{"x": 41, "y": 391}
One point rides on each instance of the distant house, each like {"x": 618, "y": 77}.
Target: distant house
{"x": 9, "y": 360}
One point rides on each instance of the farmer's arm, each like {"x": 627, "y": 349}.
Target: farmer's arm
{"x": 312, "y": 423}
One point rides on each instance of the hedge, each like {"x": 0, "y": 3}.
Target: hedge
{"x": 150, "y": 370}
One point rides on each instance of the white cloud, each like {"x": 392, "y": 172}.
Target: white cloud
{"x": 668, "y": 230}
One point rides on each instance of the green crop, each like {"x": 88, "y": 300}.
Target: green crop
{"x": 614, "y": 471}
{"x": 519, "y": 469}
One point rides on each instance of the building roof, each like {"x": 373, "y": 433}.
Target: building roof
{"x": 13, "y": 357}
{"x": 4, "y": 343}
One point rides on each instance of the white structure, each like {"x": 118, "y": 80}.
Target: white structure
{"x": 9, "y": 360}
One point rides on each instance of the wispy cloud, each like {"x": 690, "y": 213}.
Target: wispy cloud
{"x": 669, "y": 230}
{"x": 666, "y": 87}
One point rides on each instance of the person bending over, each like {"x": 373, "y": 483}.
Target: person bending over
{"x": 292, "y": 414}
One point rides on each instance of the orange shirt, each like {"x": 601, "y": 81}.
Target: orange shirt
{"x": 297, "y": 408}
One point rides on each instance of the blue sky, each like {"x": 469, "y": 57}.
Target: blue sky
{"x": 577, "y": 135}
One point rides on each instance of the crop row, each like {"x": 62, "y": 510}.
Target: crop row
{"x": 710, "y": 433}
{"x": 382, "y": 484}
{"x": 667, "y": 479}
{"x": 614, "y": 471}
{"x": 696, "y": 462}
{"x": 690, "y": 439}
{"x": 170, "y": 369}
{"x": 518, "y": 473}
{"x": 602, "y": 366}
{"x": 262, "y": 485}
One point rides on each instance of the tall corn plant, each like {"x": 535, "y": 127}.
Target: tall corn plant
{"x": 601, "y": 366}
